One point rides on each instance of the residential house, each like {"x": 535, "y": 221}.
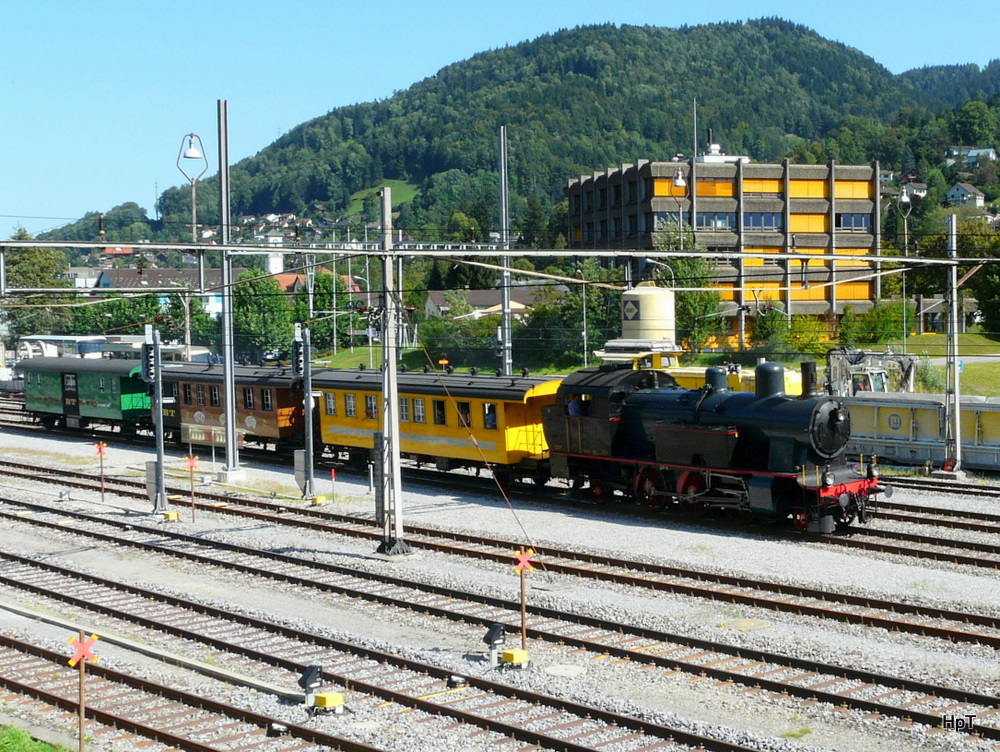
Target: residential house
{"x": 139, "y": 279}
{"x": 964, "y": 194}
{"x": 484, "y": 302}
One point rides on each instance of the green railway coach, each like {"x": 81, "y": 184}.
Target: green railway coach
{"x": 80, "y": 392}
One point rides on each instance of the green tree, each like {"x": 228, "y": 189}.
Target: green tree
{"x": 262, "y": 317}
{"x": 26, "y": 314}
{"x": 974, "y": 124}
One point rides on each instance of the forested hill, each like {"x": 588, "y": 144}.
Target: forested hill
{"x": 573, "y": 101}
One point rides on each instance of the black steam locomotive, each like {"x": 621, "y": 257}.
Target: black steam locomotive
{"x": 762, "y": 453}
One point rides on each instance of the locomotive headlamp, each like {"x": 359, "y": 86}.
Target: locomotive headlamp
{"x": 828, "y": 478}
{"x": 840, "y": 415}
{"x": 874, "y": 470}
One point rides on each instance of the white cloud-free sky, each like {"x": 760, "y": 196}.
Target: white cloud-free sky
{"x": 99, "y": 94}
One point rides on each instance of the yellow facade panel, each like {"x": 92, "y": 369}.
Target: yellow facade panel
{"x": 758, "y": 185}
{"x": 716, "y": 188}
{"x": 808, "y": 189}
{"x": 862, "y": 189}
{"x": 663, "y": 187}
{"x": 809, "y": 223}
{"x": 854, "y": 291}
{"x": 809, "y": 293}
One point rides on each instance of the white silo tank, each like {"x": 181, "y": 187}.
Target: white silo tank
{"x": 648, "y": 314}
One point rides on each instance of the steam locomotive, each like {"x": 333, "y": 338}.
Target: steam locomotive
{"x": 762, "y": 453}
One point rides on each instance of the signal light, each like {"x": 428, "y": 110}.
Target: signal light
{"x": 148, "y": 363}
{"x": 298, "y": 358}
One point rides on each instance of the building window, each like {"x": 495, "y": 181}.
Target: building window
{"x": 330, "y": 402}
{"x": 404, "y": 409}
{"x": 762, "y": 221}
{"x": 371, "y": 406}
{"x": 248, "y": 398}
{"x": 187, "y": 394}
{"x": 667, "y": 220}
{"x": 716, "y": 220}
{"x": 200, "y": 391}
{"x": 854, "y": 222}
{"x": 266, "y": 400}
{"x": 419, "y": 414}
{"x": 214, "y": 399}
{"x": 617, "y": 193}
{"x": 350, "y": 406}
{"x": 602, "y": 198}
{"x": 440, "y": 415}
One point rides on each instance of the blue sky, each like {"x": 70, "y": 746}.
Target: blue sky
{"x": 98, "y": 94}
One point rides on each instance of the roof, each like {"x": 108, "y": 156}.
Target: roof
{"x": 970, "y": 189}
{"x": 114, "y": 366}
{"x": 523, "y": 294}
{"x": 139, "y": 278}
{"x": 438, "y": 383}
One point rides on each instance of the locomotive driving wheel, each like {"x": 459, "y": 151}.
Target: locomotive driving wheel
{"x": 649, "y": 487}
{"x": 690, "y": 489}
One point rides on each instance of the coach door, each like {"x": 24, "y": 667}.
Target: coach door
{"x": 71, "y": 400}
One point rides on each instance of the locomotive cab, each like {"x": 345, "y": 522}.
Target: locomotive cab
{"x": 585, "y": 420}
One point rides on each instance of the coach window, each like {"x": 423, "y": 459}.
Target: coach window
{"x": 330, "y": 402}
{"x": 213, "y": 396}
{"x": 201, "y": 394}
{"x": 464, "y": 415}
{"x": 69, "y": 382}
{"x": 419, "y": 413}
{"x": 266, "y": 400}
{"x": 350, "y": 406}
{"x": 173, "y": 389}
{"x": 440, "y": 415}
{"x": 102, "y": 386}
{"x": 490, "y": 414}
{"x": 187, "y": 394}
{"x": 371, "y": 406}
{"x": 404, "y": 409}
{"x": 248, "y": 398}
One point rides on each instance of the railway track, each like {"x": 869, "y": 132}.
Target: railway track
{"x": 842, "y": 687}
{"x": 129, "y": 706}
{"x": 892, "y": 615}
{"x": 372, "y": 677}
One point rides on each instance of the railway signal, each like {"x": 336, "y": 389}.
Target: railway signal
{"x": 102, "y": 449}
{"x": 519, "y": 658}
{"x": 148, "y": 362}
{"x": 82, "y": 655}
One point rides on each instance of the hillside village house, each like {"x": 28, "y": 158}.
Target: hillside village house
{"x": 736, "y": 208}
{"x": 963, "y": 194}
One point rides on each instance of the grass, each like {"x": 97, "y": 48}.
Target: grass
{"x": 15, "y": 740}
{"x": 402, "y": 193}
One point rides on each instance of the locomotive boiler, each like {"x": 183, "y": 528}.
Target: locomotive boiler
{"x": 762, "y": 453}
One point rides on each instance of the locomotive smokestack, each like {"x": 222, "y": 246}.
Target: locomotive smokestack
{"x": 810, "y": 388}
